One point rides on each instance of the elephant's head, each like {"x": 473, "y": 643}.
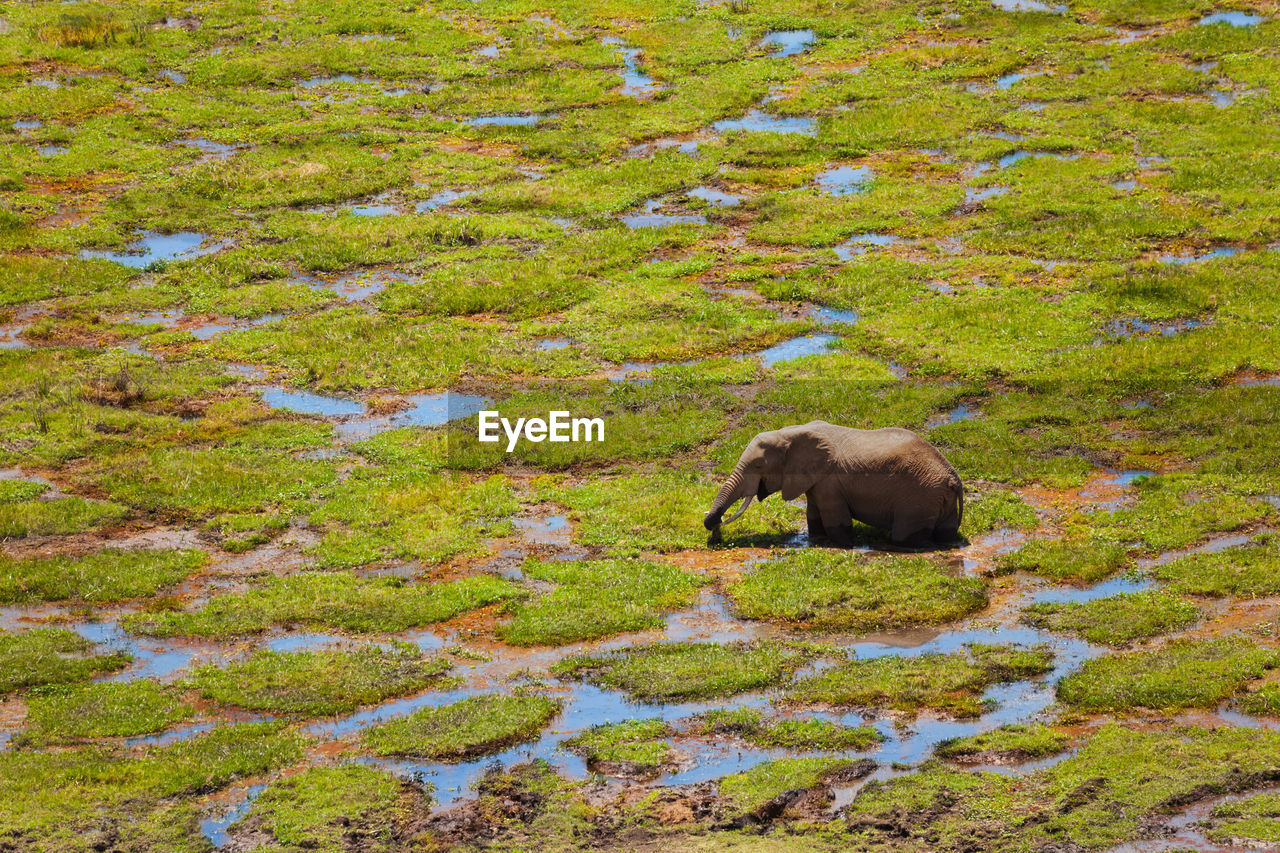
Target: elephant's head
{"x": 788, "y": 460}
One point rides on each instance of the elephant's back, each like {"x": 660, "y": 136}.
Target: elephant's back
{"x": 894, "y": 451}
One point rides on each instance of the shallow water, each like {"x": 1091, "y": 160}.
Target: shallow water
{"x": 793, "y": 349}
{"x": 1182, "y": 260}
{"x": 1022, "y": 154}
{"x": 1028, "y": 6}
{"x": 1235, "y": 19}
{"x": 213, "y": 150}
{"x": 714, "y": 197}
{"x": 1007, "y": 80}
{"x": 787, "y": 42}
{"x": 758, "y": 121}
{"x": 215, "y": 828}
{"x": 153, "y": 246}
{"x": 973, "y": 195}
{"x": 844, "y": 180}
{"x": 309, "y": 403}
{"x": 424, "y": 410}
{"x": 651, "y": 217}
{"x": 635, "y": 83}
{"x": 831, "y": 315}
{"x": 506, "y": 120}
{"x": 440, "y": 199}
{"x": 860, "y": 243}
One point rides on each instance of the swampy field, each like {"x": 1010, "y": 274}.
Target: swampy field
{"x": 261, "y": 264}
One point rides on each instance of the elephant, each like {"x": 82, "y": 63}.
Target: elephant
{"x": 888, "y": 478}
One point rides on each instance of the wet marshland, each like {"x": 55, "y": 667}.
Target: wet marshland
{"x": 260, "y": 587}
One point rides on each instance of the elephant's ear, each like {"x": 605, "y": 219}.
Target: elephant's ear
{"x": 809, "y": 459}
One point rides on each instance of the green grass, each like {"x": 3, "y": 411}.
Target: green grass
{"x": 69, "y": 713}
{"x": 1116, "y": 620}
{"x": 1182, "y": 674}
{"x": 596, "y": 598}
{"x": 755, "y": 787}
{"x": 63, "y": 799}
{"x": 952, "y": 683}
{"x": 1075, "y": 800}
{"x": 996, "y": 510}
{"x": 633, "y": 745}
{"x": 1084, "y": 559}
{"x": 103, "y": 576}
{"x": 1265, "y": 701}
{"x": 661, "y": 511}
{"x": 670, "y": 671}
{"x": 317, "y": 683}
{"x": 803, "y": 734}
{"x": 1256, "y": 818}
{"x": 60, "y": 516}
{"x": 834, "y": 590}
{"x": 336, "y": 600}
{"x": 1014, "y": 743}
{"x": 391, "y": 512}
{"x": 201, "y": 482}
{"x": 325, "y": 808}
{"x": 474, "y": 726}
{"x": 1248, "y": 570}
{"x": 51, "y": 656}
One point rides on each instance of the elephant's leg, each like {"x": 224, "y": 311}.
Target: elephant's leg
{"x": 911, "y": 531}
{"x": 837, "y": 522}
{"x": 814, "y": 518}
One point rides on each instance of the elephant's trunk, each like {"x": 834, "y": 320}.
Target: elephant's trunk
{"x": 733, "y": 489}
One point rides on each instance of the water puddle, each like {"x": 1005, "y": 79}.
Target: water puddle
{"x": 215, "y": 828}
{"x": 553, "y": 344}
{"x": 650, "y": 216}
{"x": 1105, "y": 589}
{"x": 793, "y": 349}
{"x": 529, "y": 120}
{"x": 356, "y": 285}
{"x": 974, "y": 195}
{"x": 1022, "y": 154}
{"x": 1133, "y": 327}
{"x": 826, "y": 315}
{"x": 758, "y": 121}
{"x": 1182, "y": 260}
{"x": 51, "y": 150}
{"x": 1188, "y": 831}
{"x": 647, "y": 149}
{"x": 308, "y": 403}
{"x": 153, "y": 246}
{"x": 714, "y": 197}
{"x": 787, "y": 42}
{"x": 630, "y": 371}
{"x": 859, "y": 244}
{"x": 152, "y": 658}
{"x": 490, "y": 52}
{"x": 635, "y": 83}
{"x": 1028, "y": 6}
{"x": 425, "y": 410}
{"x": 212, "y": 150}
{"x": 1235, "y": 19}
{"x": 552, "y": 530}
{"x": 1112, "y": 489}
{"x": 444, "y": 198}
{"x": 844, "y": 180}
{"x": 1212, "y": 546}
{"x": 1006, "y": 81}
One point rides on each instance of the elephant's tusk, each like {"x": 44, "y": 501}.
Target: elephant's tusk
{"x": 746, "y": 503}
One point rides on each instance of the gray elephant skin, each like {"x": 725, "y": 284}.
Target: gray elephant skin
{"x": 888, "y": 478}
